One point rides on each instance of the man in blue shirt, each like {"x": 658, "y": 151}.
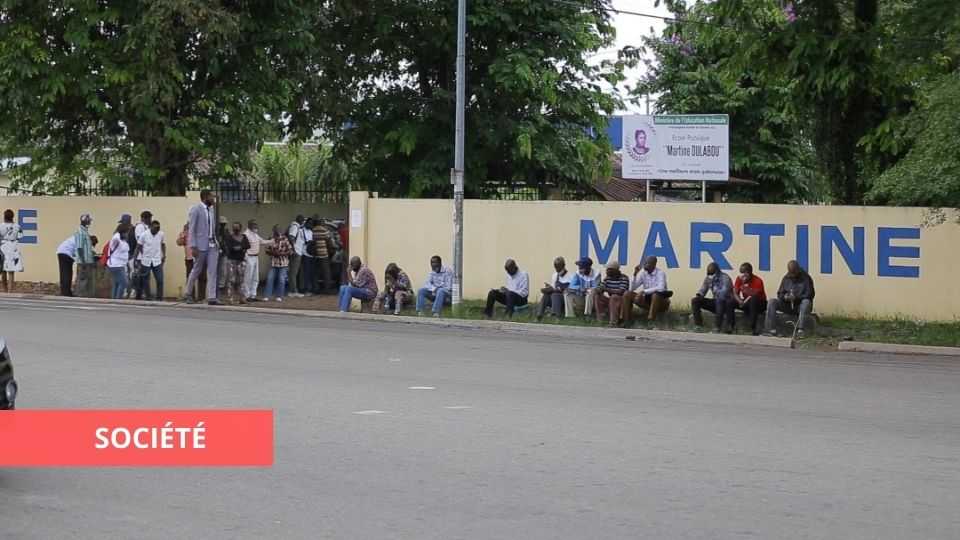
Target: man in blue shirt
{"x": 438, "y": 288}
{"x": 578, "y": 298}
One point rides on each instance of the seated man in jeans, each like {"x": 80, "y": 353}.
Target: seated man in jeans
{"x": 554, "y": 292}
{"x": 794, "y": 297}
{"x": 608, "y": 297}
{"x": 514, "y": 294}
{"x": 722, "y": 304}
{"x": 750, "y": 296}
{"x": 438, "y": 288}
{"x": 648, "y": 291}
{"x": 578, "y": 298}
{"x": 362, "y": 285}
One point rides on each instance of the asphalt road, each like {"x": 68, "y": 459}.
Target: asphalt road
{"x": 521, "y": 437}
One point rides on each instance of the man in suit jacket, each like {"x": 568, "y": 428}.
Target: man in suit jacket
{"x": 202, "y": 243}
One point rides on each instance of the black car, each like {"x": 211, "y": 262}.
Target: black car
{"x": 8, "y": 386}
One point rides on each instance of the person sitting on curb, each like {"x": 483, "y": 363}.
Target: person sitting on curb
{"x": 608, "y": 297}
{"x": 750, "y": 296}
{"x": 722, "y": 303}
{"x": 648, "y": 291}
{"x": 514, "y": 294}
{"x": 578, "y": 298}
{"x": 362, "y": 285}
{"x": 554, "y": 291}
{"x": 397, "y": 291}
{"x": 794, "y": 297}
{"x": 438, "y": 288}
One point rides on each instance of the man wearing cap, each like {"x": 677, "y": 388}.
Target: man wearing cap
{"x": 514, "y": 294}
{"x": 553, "y": 292}
{"x": 86, "y": 258}
{"x": 609, "y": 295}
{"x": 578, "y": 298}
{"x": 202, "y": 242}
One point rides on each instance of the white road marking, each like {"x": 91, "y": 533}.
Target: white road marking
{"x": 85, "y": 308}
{"x": 370, "y": 412}
{"x": 422, "y": 388}
{"x": 394, "y": 360}
{"x": 458, "y": 407}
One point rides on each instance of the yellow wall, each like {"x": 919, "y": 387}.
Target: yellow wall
{"x": 408, "y": 232}
{"x": 58, "y": 217}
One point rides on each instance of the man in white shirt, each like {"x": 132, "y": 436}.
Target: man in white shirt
{"x": 299, "y": 242}
{"x": 151, "y": 255}
{"x": 251, "y": 275}
{"x": 553, "y": 292}
{"x": 136, "y": 272}
{"x": 66, "y": 255}
{"x": 515, "y": 292}
{"x": 648, "y": 292}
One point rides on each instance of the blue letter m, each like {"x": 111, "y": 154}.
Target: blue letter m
{"x": 619, "y": 235}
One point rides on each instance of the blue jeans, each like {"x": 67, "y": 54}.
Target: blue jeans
{"x": 277, "y": 279}
{"x": 119, "y": 276}
{"x": 440, "y": 297}
{"x": 348, "y": 293}
{"x": 145, "y": 272}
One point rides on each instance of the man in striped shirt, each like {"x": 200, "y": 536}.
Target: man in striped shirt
{"x": 608, "y": 297}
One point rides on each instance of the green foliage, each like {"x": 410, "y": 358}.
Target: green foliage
{"x": 171, "y": 89}
{"x": 929, "y": 173}
{"x": 531, "y": 93}
{"x": 770, "y": 141}
{"x": 303, "y": 166}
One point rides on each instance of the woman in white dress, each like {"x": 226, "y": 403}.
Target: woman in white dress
{"x": 10, "y": 235}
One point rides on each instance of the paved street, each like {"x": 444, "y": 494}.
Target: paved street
{"x": 507, "y": 436}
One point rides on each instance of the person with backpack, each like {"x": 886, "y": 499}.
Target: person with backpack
{"x": 117, "y": 257}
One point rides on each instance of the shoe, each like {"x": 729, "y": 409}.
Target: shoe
{"x": 214, "y": 303}
{"x": 243, "y": 301}
{"x": 436, "y": 315}
{"x": 770, "y": 333}
{"x": 397, "y": 312}
{"x": 801, "y": 333}
{"x": 419, "y": 314}
{"x": 279, "y": 299}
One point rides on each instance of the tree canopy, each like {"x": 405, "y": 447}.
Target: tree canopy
{"x": 160, "y": 90}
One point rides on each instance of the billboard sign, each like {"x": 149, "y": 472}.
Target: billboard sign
{"x": 693, "y": 147}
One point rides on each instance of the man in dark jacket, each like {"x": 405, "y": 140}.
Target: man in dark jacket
{"x": 794, "y": 297}
{"x": 722, "y": 303}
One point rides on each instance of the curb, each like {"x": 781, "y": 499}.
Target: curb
{"x": 629, "y": 334}
{"x": 893, "y": 348}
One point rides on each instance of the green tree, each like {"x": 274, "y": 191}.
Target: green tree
{"x": 163, "y": 90}
{"x": 769, "y": 140}
{"x": 532, "y": 93}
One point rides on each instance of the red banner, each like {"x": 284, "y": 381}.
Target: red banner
{"x": 125, "y": 438}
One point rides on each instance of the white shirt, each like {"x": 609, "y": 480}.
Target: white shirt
{"x": 140, "y": 230}
{"x": 307, "y": 238}
{"x": 299, "y": 241}
{"x": 152, "y": 253}
{"x": 563, "y": 279}
{"x": 519, "y": 283}
{"x": 650, "y": 282}
{"x": 68, "y": 247}
{"x": 119, "y": 252}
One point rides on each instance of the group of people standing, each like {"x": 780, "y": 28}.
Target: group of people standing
{"x": 223, "y": 258}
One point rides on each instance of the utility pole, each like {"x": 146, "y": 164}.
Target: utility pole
{"x": 649, "y": 197}
{"x": 456, "y": 175}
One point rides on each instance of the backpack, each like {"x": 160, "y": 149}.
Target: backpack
{"x": 105, "y": 254}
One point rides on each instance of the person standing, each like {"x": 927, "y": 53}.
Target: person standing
{"x": 11, "y": 261}
{"x": 438, "y": 288}
{"x": 514, "y": 294}
{"x": 750, "y": 296}
{"x": 279, "y": 251}
{"x": 66, "y": 256}
{"x": 151, "y": 256}
{"x": 86, "y": 259}
{"x": 322, "y": 244}
{"x": 308, "y": 264}
{"x": 251, "y": 272}
{"x": 118, "y": 257}
{"x": 221, "y": 235}
{"x": 135, "y": 279}
{"x": 722, "y": 304}
{"x": 298, "y": 240}
{"x": 363, "y": 285}
{"x": 188, "y": 263}
{"x": 236, "y": 245}
{"x": 202, "y": 242}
